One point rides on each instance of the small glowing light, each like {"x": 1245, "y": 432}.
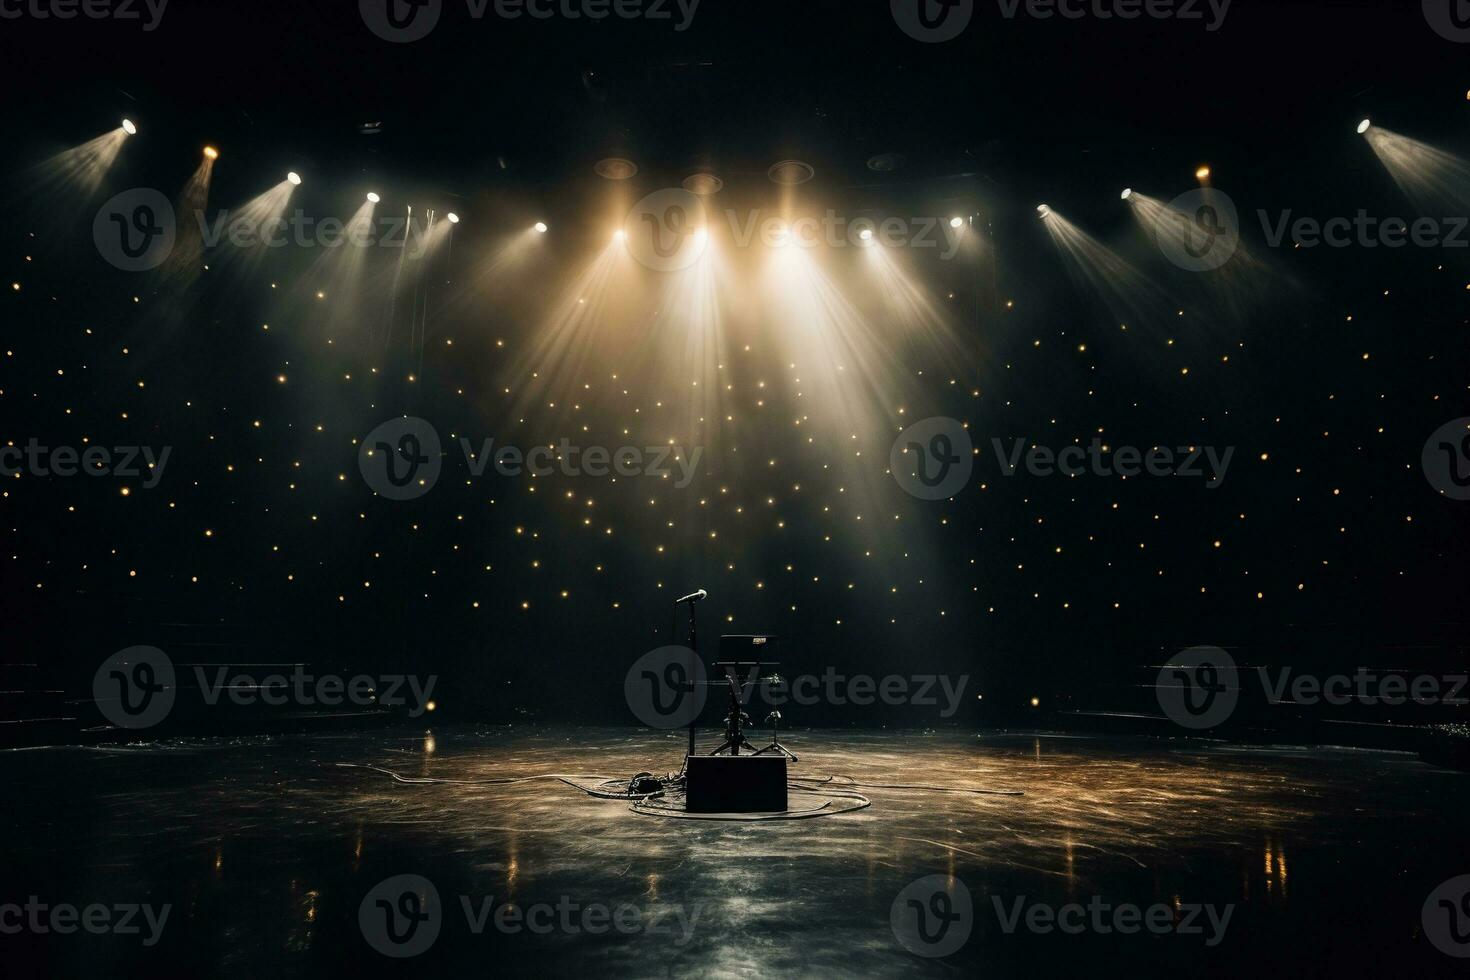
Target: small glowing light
{"x": 541, "y": 227}
{"x": 618, "y": 235}
{"x": 866, "y": 234}
{"x": 1035, "y": 702}
{"x": 431, "y": 705}
{"x": 373, "y": 197}
{"x": 1367, "y": 124}
{"x": 1043, "y": 209}
{"x": 453, "y": 218}
{"x": 1203, "y": 173}
{"x": 129, "y": 128}
{"x": 1127, "y": 193}
{"x": 210, "y": 153}
{"x": 294, "y": 178}
{"x": 956, "y": 222}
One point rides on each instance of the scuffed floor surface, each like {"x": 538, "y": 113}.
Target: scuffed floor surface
{"x": 265, "y": 851}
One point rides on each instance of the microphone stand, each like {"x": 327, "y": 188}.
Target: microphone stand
{"x": 693, "y": 656}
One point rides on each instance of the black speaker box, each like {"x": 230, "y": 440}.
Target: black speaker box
{"x": 735, "y": 784}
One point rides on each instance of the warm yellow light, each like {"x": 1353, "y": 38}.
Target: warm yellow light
{"x": 430, "y": 706}
{"x": 1203, "y": 173}
{"x": 210, "y": 153}
{"x": 1035, "y": 702}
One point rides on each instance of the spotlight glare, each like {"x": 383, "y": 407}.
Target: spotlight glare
{"x": 129, "y": 128}
{"x": 541, "y": 227}
{"x": 1364, "y": 126}
{"x": 1203, "y": 173}
{"x": 866, "y": 234}
{"x": 210, "y": 153}
{"x": 294, "y": 178}
{"x": 1127, "y": 193}
{"x": 618, "y": 235}
{"x": 453, "y": 218}
{"x": 1043, "y": 209}
{"x": 956, "y": 222}
{"x": 373, "y": 197}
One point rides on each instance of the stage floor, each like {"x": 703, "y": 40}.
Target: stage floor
{"x": 265, "y": 850}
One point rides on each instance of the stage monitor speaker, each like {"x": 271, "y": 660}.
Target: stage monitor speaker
{"x": 735, "y": 784}
{"x": 746, "y": 647}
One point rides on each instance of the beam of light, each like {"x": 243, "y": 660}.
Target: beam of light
{"x": 241, "y": 238}
{"x": 340, "y": 273}
{"x": 1436, "y": 182}
{"x": 923, "y": 322}
{"x": 558, "y": 356}
{"x": 851, "y": 383}
{"x": 1242, "y": 283}
{"x": 60, "y": 188}
{"x": 1129, "y": 295}
{"x": 185, "y": 264}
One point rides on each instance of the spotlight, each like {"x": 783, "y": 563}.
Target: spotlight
{"x": 1203, "y": 173}
{"x": 616, "y": 168}
{"x": 1365, "y": 125}
{"x": 866, "y": 234}
{"x": 453, "y": 218}
{"x": 541, "y": 227}
{"x": 1127, "y": 193}
{"x": 294, "y": 178}
{"x": 210, "y": 153}
{"x": 791, "y": 172}
{"x": 703, "y": 183}
{"x": 956, "y": 222}
{"x": 129, "y": 128}
{"x": 373, "y": 197}
{"x": 618, "y": 235}
{"x": 1043, "y": 209}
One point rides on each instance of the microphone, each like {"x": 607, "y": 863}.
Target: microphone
{"x": 692, "y": 597}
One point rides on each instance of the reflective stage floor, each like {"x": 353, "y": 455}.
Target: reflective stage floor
{"x": 271, "y": 859}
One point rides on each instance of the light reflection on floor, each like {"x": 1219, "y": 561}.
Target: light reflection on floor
{"x": 266, "y": 849}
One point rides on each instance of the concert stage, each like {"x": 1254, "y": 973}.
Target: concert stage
{"x": 268, "y": 853}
